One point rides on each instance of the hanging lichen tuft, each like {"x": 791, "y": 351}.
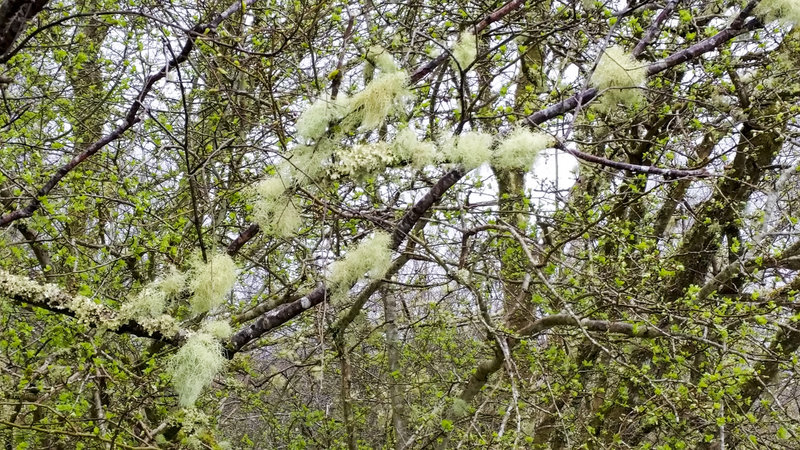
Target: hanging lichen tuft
{"x": 194, "y": 366}
{"x": 211, "y": 282}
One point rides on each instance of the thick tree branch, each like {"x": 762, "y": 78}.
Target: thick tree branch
{"x": 50, "y": 297}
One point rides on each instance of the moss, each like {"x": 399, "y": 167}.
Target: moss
{"x": 372, "y": 256}
{"x": 211, "y": 282}
{"x": 383, "y": 96}
{"x": 408, "y": 148}
{"x": 470, "y": 149}
{"x": 519, "y": 149}
{"x": 194, "y": 366}
{"x": 466, "y": 50}
{"x": 787, "y": 11}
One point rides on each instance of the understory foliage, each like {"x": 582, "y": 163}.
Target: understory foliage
{"x": 542, "y": 224}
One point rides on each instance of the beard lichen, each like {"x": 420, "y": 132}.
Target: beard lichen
{"x": 220, "y": 329}
{"x": 211, "y": 282}
{"x": 619, "y": 69}
{"x": 273, "y": 209}
{"x": 519, "y": 149}
{"x": 466, "y": 50}
{"x": 470, "y": 149}
{"x": 787, "y": 11}
{"x": 382, "y": 59}
{"x": 384, "y": 95}
{"x": 372, "y": 256}
{"x": 313, "y": 123}
{"x": 194, "y": 366}
{"x": 408, "y": 148}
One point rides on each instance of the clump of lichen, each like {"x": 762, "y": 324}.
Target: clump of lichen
{"x": 144, "y": 308}
{"x": 149, "y": 302}
{"x": 382, "y": 59}
{"x": 220, "y": 329}
{"x": 372, "y": 256}
{"x": 211, "y": 281}
{"x": 194, "y": 366}
{"x": 782, "y": 10}
{"x": 519, "y": 149}
{"x": 273, "y": 209}
{"x": 408, "y": 148}
{"x": 470, "y": 149}
{"x": 384, "y": 95}
{"x": 313, "y": 123}
{"x": 365, "y": 158}
{"x": 466, "y": 50}
{"x": 619, "y": 71}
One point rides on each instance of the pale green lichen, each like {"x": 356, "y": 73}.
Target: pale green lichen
{"x": 617, "y": 68}
{"x": 173, "y": 283}
{"x": 466, "y": 50}
{"x": 220, "y": 329}
{"x": 145, "y": 311}
{"x": 211, "y": 282}
{"x": 194, "y": 366}
{"x": 408, "y": 148}
{"x": 619, "y": 71}
{"x": 365, "y": 159}
{"x": 273, "y": 209}
{"x": 382, "y": 59}
{"x": 787, "y": 11}
{"x": 309, "y": 162}
{"x": 470, "y": 149}
{"x": 314, "y": 122}
{"x": 372, "y": 256}
{"x": 384, "y": 95}
{"x": 519, "y": 149}
{"x": 149, "y": 302}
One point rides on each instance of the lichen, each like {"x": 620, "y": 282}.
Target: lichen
{"x": 619, "y": 72}
{"x": 150, "y": 302}
{"x": 173, "y": 283}
{"x": 313, "y": 123}
{"x": 384, "y": 95}
{"x": 143, "y": 309}
{"x": 194, "y": 366}
{"x": 787, "y": 11}
{"x": 617, "y": 68}
{"x": 211, "y": 282}
{"x": 470, "y": 149}
{"x": 220, "y": 329}
{"x": 519, "y": 149}
{"x": 372, "y": 256}
{"x": 308, "y": 162}
{"x": 408, "y": 148}
{"x": 273, "y": 210}
{"x": 466, "y": 50}
{"x": 365, "y": 158}
{"x": 382, "y": 59}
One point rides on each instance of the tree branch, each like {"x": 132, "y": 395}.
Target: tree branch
{"x": 129, "y": 120}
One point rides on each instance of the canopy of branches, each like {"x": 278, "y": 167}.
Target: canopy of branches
{"x": 377, "y": 224}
